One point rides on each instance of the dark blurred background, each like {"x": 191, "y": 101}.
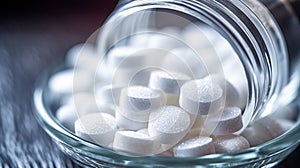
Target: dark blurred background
{"x": 35, "y": 34}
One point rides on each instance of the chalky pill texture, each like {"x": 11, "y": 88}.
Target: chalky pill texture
{"x": 134, "y": 142}
{"x": 154, "y": 94}
{"x": 230, "y": 143}
{"x": 137, "y": 102}
{"x": 99, "y": 127}
{"x": 140, "y": 98}
{"x": 229, "y": 121}
{"x": 168, "y": 124}
{"x": 198, "y": 146}
{"x": 201, "y": 97}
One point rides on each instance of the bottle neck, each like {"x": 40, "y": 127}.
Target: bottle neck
{"x": 248, "y": 25}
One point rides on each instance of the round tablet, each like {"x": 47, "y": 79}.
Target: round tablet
{"x": 234, "y": 73}
{"x": 198, "y": 146}
{"x": 168, "y": 124}
{"x": 232, "y": 96}
{"x": 200, "y": 36}
{"x": 67, "y": 116}
{"x": 99, "y": 127}
{"x": 167, "y": 81}
{"x": 230, "y": 143}
{"x": 256, "y": 135}
{"x": 271, "y": 124}
{"x": 136, "y": 102}
{"x": 62, "y": 82}
{"x": 125, "y": 57}
{"x": 67, "y": 81}
{"x": 201, "y": 97}
{"x": 229, "y": 121}
{"x": 82, "y": 56}
{"x": 135, "y": 142}
{"x": 262, "y": 130}
{"x": 193, "y": 133}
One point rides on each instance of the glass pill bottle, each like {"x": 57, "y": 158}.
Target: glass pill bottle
{"x": 255, "y": 42}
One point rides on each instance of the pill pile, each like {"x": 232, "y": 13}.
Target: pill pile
{"x": 149, "y": 98}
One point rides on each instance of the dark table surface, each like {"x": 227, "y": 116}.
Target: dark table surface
{"x": 33, "y": 36}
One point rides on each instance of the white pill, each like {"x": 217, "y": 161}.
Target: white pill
{"x": 109, "y": 94}
{"x": 271, "y": 124}
{"x": 167, "y": 81}
{"x": 125, "y": 122}
{"x": 198, "y": 146}
{"x": 99, "y": 127}
{"x": 134, "y": 142}
{"x": 82, "y": 56}
{"x": 256, "y": 135}
{"x": 126, "y": 57}
{"x": 234, "y": 73}
{"x": 166, "y": 38}
{"x": 67, "y": 116}
{"x": 168, "y": 124}
{"x": 85, "y": 103}
{"x": 232, "y": 96}
{"x": 201, "y": 97}
{"x": 126, "y": 68}
{"x": 67, "y": 81}
{"x": 195, "y": 132}
{"x": 262, "y": 130}
{"x": 136, "y": 102}
{"x": 63, "y": 84}
{"x": 230, "y": 143}
{"x": 229, "y": 121}
{"x": 199, "y": 36}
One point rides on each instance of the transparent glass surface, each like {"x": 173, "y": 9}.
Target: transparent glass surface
{"x": 90, "y": 154}
{"x": 257, "y": 47}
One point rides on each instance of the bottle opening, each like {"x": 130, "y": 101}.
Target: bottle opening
{"x": 139, "y": 41}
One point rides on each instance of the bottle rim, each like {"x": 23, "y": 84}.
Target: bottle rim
{"x": 251, "y": 31}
